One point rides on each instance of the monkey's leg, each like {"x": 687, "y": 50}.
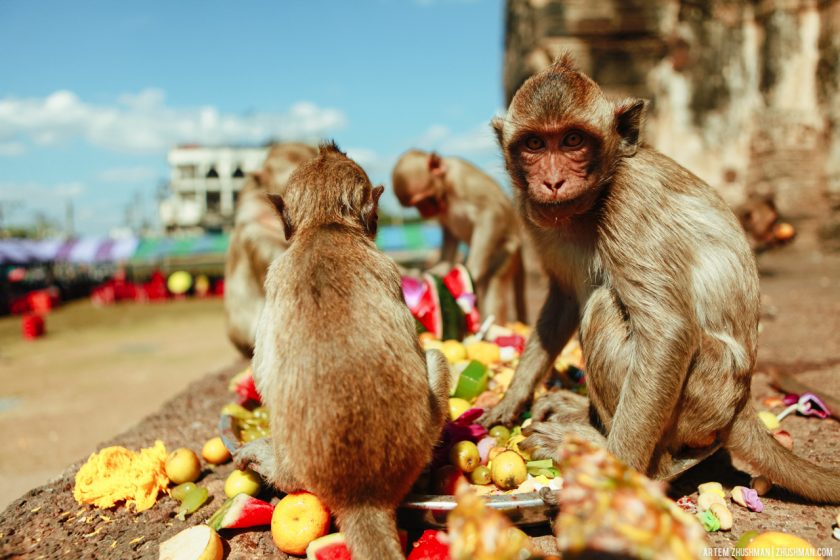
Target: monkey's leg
{"x": 440, "y": 380}
{"x": 635, "y": 375}
{"x": 557, "y": 322}
{"x": 259, "y": 455}
{"x": 561, "y": 406}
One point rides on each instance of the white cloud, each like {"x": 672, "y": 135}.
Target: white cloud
{"x": 477, "y": 143}
{"x": 11, "y": 149}
{"x": 137, "y": 174}
{"x": 142, "y": 123}
{"x": 33, "y": 192}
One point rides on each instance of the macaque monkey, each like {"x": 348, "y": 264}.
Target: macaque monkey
{"x": 765, "y": 228}
{"x": 356, "y": 405}
{"x": 257, "y": 240}
{"x": 472, "y": 208}
{"x": 653, "y": 268}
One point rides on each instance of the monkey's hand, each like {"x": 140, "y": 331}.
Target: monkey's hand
{"x": 544, "y": 439}
{"x": 257, "y": 455}
{"x": 506, "y": 412}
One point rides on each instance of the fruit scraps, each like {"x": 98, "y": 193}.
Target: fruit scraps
{"x": 115, "y": 474}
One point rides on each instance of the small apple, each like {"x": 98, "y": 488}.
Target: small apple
{"x": 242, "y": 482}
{"x": 298, "y": 519}
{"x": 215, "y": 452}
{"x": 182, "y": 466}
{"x": 199, "y": 542}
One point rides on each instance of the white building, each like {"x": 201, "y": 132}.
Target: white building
{"x": 204, "y": 185}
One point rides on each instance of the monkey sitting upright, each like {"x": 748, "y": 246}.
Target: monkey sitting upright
{"x": 257, "y": 240}
{"x": 654, "y": 269}
{"x": 356, "y": 406}
{"x": 471, "y": 208}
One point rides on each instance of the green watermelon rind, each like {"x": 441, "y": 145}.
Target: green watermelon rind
{"x": 453, "y": 322}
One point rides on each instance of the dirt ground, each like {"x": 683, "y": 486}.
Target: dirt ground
{"x": 800, "y": 335}
{"x": 98, "y": 372}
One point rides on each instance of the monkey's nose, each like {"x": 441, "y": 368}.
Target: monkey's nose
{"x": 553, "y": 185}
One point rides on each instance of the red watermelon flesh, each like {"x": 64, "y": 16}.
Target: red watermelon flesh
{"x": 432, "y": 545}
{"x": 334, "y": 547}
{"x": 459, "y": 283}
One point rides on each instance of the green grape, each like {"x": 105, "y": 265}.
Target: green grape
{"x": 237, "y": 411}
{"x": 250, "y": 434}
{"x": 182, "y": 490}
{"x": 501, "y": 433}
{"x": 192, "y": 501}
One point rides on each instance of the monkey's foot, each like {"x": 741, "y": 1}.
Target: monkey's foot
{"x": 546, "y": 438}
{"x": 257, "y": 455}
{"x": 561, "y": 406}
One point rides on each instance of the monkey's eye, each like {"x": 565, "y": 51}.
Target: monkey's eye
{"x": 534, "y": 143}
{"x": 573, "y": 140}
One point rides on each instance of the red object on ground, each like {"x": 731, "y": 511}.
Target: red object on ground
{"x": 32, "y": 326}
{"x": 432, "y": 545}
{"x": 219, "y": 287}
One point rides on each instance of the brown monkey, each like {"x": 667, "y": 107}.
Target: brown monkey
{"x": 257, "y": 240}
{"x": 763, "y": 224}
{"x": 472, "y": 208}
{"x": 655, "y": 270}
{"x": 356, "y": 406}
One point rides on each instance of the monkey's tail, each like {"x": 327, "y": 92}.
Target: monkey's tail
{"x": 750, "y": 441}
{"x": 371, "y": 532}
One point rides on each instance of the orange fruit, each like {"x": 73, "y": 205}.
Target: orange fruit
{"x": 183, "y": 465}
{"x": 298, "y": 519}
{"x": 215, "y": 452}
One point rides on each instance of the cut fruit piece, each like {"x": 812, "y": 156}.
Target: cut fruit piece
{"x": 459, "y": 283}
{"x": 196, "y": 543}
{"x": 243, "y": 385}
{"x": 432, "y": 545}
{"x": 334, "y": 547}
{"x": 472, "y": 381}
{"x": 242, "y": 511}
{"x": 298, "y": 519}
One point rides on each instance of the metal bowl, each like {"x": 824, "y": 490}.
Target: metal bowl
{"x": 524, "y": 509}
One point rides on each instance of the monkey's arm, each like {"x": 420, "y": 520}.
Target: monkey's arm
{"x": 558, "y": 320}
{"x": 488, "y": 253}
{"x": 654, "y": 349}
{"x": 449, "y": 248}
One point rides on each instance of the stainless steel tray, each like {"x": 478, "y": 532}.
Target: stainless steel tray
{"x": 524, "y": 509}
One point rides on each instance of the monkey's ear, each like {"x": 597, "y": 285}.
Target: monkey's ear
{"x": 260, "y": 177}
{"x": 498, "y": 124}
{"x": 277, "y": 201}
{"x": 629, "y": 116}
{"x": 436, "y": 165}
{"x": 370, "y": 211}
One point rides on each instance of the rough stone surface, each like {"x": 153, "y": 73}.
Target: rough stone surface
{"x": 799, "y": 335}
{"x": 744, "y": 93}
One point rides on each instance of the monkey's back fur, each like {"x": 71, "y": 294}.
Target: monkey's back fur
{"x": 335, "y": 320}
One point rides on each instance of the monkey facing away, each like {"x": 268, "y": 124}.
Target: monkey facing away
{"x": 472, "y": 208}
{"x": 654, "y": 269}
{"x": 356, "y": 406}
{"x": 257, "y": 239}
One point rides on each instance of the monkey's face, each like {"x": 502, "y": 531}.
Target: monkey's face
{"x": 421, "y": 192}
{"x": 559, "y": 172}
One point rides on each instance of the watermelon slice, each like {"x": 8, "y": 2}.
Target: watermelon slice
{"x": 334, "y": 547}
{"x": 432, "y": 545}
{"x": 459, "y": 283}
{"x": 242, "y": 511}
{"x": 243, "y": 385}
{"x": 434, "y": 307}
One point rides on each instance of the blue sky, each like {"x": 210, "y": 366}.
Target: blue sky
{"x": 93, "y": 94}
